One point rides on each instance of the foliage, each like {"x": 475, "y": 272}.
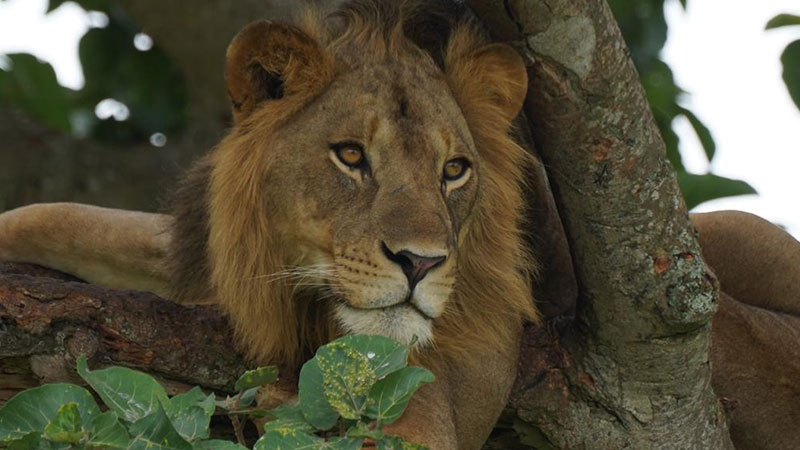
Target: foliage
{"x": 360, "y": 383}
{"x": 146, "y": 82}
{"x": 645, "y": 30}
{"x": 790, "y": 58}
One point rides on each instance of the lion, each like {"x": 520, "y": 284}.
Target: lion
{"x": 369, "y": 185}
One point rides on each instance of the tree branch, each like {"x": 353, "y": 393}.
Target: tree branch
{"x": 48, "y": 319}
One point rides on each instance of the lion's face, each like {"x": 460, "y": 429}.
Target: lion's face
{"x": 372, "y": 184}
{"x": 381, "y": 183}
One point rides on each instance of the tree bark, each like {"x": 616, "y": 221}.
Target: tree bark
{"x": 48, "y": 319}
{"x": 633, "y": 371}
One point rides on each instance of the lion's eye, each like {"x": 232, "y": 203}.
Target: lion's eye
{"x": 455, "y": 169}
{"x": 350, "y": 154}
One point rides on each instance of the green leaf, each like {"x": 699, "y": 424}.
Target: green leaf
{"x": 31, "y": 86}
{"x": 791, "y": 70}
{"x": 347, "y": 378}
{"x": 311, "y": 393}
{"x": 91, "y": 5}
{"x": 191, "y": 413}
{"x": 156, "y": 432}
{"x": 287, "y": 411}
{"x": 703, "y": 133}
{"x": 783, "y": 20}
{"x": 217, "y": 444}
{"x": 390, "y": 396}
{"x": 257, "y": 378}
{"x": 107, "y": 432}
{"x": 384, "y": 355}
{"x": 700, "y": 188}
{"x": 340, "y": 443}
{"x": 248, "y": 396}
{"x": 283, "y": 426}
{"x": 67, "y": 426}
{"x": 31, "y": 441}
{"x": 32, "y": 410}
{"x": 130, "y": 393}
{"x": 397, "y": 443}
{"x": 363, "y": 430}
{"x": 288, "y": 440}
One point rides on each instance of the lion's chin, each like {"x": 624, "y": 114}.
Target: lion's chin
{"x": 401, "y": 323}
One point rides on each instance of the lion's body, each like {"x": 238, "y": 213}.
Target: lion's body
{"x": 298, "y": 246}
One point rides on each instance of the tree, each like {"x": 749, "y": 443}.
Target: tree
{"x": 595, "y": 381}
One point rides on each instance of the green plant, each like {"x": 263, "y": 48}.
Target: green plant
{"x": 790, "y": 58}
{"x": 348, "y": 392}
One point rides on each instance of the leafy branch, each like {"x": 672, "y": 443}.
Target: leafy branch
{"x": 348, "y": 392}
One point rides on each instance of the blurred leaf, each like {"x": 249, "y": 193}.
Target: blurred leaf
{"x": 397, "y": 443}
{"x": 107, "y": 432}
{"x": 67, "y": 426}
{"x": 311, "y": 393}
{"x": 89, "y": 5}
{"x": 791, "y": 70}
{"x": 156, "y": 432}
{"x": 31, "y": 441}
{"x": 248, "y": 396}
{"x": 216, "y": 444}
{"x": 288, "y": 440}
{"x": 146, "y": 82}
{"x": 31, "y": 86}
{"x": 783, "y": 20}
{"x": 643, "y": 27}
{"x": 287, "y": 411}
{"x": 343, "y": 443}
{"x": 130, "y": 393}
{"x": 190, "y": 413}
{"x": 700, "y": 188}
{"x": 257, "y": 378}
{"x": 390, "y": 396}
{"x": 286, "y": 425}
{"x": 32, "y": 410}
{"x": 703, "y": 133}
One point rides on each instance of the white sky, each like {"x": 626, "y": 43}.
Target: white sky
{"x": 730, "y": 66}
{"x": 718, "y": 50}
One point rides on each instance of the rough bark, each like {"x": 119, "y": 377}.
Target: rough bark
{"x": 48, "y": 319}
{"x": 633, "y": 370}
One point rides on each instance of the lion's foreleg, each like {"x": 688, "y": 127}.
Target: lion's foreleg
{"x": 111, "y": 247}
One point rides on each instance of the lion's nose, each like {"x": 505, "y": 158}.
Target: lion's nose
{"x": 415, "y": 267}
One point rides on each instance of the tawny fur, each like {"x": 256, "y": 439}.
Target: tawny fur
{"x": 494, "y": 271}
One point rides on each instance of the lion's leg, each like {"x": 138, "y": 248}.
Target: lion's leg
{"x": 111, "y": 247}
{"x": 755, "y": 261}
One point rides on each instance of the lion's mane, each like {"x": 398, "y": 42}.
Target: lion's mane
{"x": 222, "y": 245}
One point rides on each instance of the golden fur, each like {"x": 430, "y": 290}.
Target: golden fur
{"x": 493, "y": 282}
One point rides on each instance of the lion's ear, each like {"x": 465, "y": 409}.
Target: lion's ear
{"x": 271, "y": 61}
{"x": 491, "y": 79}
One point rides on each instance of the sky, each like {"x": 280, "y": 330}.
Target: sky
{"x": 718, "y": 49}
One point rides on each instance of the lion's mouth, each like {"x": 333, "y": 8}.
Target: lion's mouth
{"x": 409, "y": 302}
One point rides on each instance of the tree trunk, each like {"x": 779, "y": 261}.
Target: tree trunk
{"x": 631, "y": 371}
